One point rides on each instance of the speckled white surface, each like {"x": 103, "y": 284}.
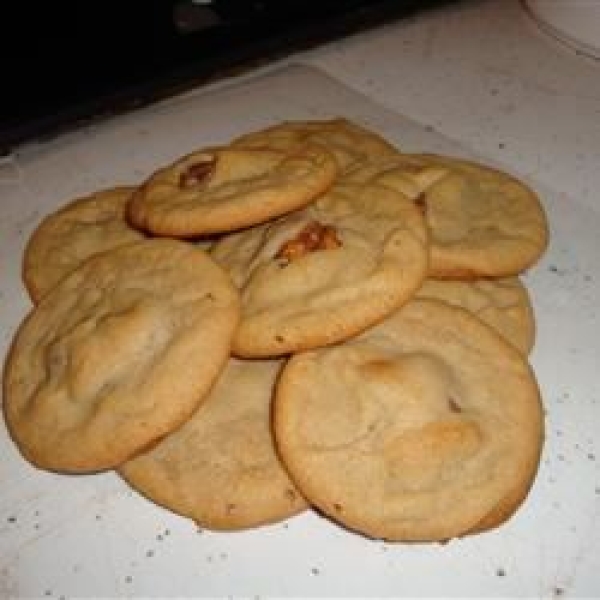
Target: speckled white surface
{"x": 483, "y": 73}
{"x": 91, "y": 536}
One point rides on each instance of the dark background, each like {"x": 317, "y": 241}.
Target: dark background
{"x": 66, "y": 63}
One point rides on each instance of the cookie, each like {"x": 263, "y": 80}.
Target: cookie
{"x": 221, "y": 468}
{"x": 426, "y": 427}
{"x": 397, "y": 172}
{"x": 504, "y": 304}
{"x": 223, "y": 189}
{"x": 349, "y": 142}
{"x": 322, "y": 274}
{"x": 483, "y": 222}
{"x": 117, "y": 354}
{"x": 67, "y": 237}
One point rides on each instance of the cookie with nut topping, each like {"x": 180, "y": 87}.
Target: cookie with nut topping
{"x": 426, "y": 427}
{"x": 221, "y": 467}
{"x": 322, "y": 274}
{"x": 74, "y": 233}
{"x": 119, "y": 353}
{"x": 223, "y": 189}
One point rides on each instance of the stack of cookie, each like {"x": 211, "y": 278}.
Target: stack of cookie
{"x": 304, "y": 317}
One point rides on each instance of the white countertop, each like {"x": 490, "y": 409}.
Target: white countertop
{"x": 476, "y": 78}
{"x": 483, "y": 73}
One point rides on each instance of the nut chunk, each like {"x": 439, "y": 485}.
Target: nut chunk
{"x": 313, "y": 236}
{"x": 198, "y": 173}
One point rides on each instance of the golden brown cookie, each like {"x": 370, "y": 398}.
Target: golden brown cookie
{"x": 398, "y": 172}
{"x": 223, "y": 189}
{"x": 119, "y": 353}
{"x": 322, "y": 274}
{"x": 349, "y": 142}
{"x": 426, "y": 427}
{"x": 67, "y": 237}
{"x": 483, "y": 222}
{"x": 503, "y": 303}
{"x": 221, "y": 468}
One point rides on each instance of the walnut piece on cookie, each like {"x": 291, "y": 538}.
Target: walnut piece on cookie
{"x": 313, "y": 237}
{"x": 116, "y": 355}
{"x": 223, "y": 189}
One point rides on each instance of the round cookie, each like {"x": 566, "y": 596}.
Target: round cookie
{"x": 327, "y": 272}
{"x": 67, "y": 237}
{"x": 119, "y": 353}
{"x": 350, "y": 143}
{"x": 424, "y": 428}
{"x": 221, "y": 468}
{"x": 483, "y": 222}
{"x": 223, "y": 189}
{"x": 503, "y": 303}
